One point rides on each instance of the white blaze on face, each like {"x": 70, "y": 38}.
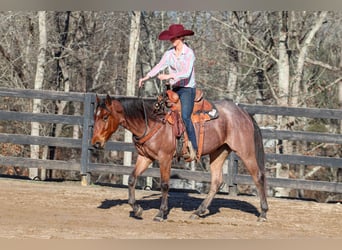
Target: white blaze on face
{"x": 98, "y": 113}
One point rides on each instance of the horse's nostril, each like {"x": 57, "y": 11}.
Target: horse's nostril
{"x": 97, "y": 145}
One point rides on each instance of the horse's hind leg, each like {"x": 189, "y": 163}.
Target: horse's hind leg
{"x": 216, "y": 162}
{"x": 258, "y": 176}
{"x": 140, "y": 166}
{"x": 262, "y": 192}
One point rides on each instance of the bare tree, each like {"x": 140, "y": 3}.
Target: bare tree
{"x": 303, "y": 52}
{"x": 38, "y": 83}
{"x": 131, "y": 74}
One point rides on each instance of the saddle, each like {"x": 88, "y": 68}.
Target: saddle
{"x": 203, "y": 111}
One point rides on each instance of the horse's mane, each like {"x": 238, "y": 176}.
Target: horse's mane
{"x": 136, "y": 107}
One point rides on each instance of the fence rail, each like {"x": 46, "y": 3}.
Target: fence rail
{"x": 232, "y": 178}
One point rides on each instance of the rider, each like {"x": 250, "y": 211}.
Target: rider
{"x": 179, "y": 60}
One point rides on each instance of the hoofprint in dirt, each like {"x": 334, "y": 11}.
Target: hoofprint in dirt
{"x": 67, "y": 210}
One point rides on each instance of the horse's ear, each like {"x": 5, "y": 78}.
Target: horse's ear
{"x": 108, "y": 100}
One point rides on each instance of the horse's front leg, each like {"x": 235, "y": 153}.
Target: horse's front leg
{"x": 140, "y": 166}
{"x": 165, "y": 170}
{"x": 216, "y": 161}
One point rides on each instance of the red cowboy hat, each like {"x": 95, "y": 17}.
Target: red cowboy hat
{"x": 175, "y": 30}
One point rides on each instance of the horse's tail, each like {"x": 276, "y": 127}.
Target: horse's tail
{"x": 259, "y": 146}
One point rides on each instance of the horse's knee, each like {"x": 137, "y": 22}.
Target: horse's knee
{"x": 216, "y": 184}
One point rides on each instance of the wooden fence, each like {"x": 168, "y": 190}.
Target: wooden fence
{"x": 232, "y": 178}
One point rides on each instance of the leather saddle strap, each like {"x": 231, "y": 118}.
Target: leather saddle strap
{"x": 201, "y": 135}
{"x": 150, "y": 134}
{"x": 154, "y": 130}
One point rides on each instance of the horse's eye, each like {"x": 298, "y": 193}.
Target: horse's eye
{"x": 105, "y": 118}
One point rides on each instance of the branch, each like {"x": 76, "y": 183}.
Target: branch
{"x": 323, "y": 65}
{"x": 273, "y": 92}
{"x": 17, "y": 68}
{"x": 312, "y": 172}
{"x": 246, "y": 39}
{"x": 326, "y": 87}
{"x": 303, "y": 54}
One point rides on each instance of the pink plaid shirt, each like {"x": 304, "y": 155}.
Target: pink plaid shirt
{"x": 181, "y": 68}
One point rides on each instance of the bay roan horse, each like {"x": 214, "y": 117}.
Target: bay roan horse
{"x": 234, "y": 130}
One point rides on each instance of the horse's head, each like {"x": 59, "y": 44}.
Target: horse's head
{"x": 107, "y": 118}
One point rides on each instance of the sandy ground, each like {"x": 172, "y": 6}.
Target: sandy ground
{"x": 67, "y": 210}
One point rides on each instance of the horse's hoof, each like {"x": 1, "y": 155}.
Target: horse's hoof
{"x": 158, "y": 219}
{"x": 262, "y": 219}
{"x": 139, "y": 212}
{"x": 194, "y": 217}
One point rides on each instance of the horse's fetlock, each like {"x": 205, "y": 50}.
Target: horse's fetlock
{"x": 131, "y": 180}
{"x": 164, "y": 208}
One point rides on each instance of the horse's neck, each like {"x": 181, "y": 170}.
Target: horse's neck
{"x": 135, "y": 126}
{"x": 138, "y": 123}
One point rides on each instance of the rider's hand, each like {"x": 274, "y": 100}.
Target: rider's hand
{"x": 141, "y": 81}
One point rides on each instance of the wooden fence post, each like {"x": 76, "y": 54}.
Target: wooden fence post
{"x": 232, "y": 172}
{"x": 89, "y": 100}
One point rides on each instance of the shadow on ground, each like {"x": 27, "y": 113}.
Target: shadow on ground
{"x": 185, "y": 202}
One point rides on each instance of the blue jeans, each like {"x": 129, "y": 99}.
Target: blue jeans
{"x": 187, "y": 97}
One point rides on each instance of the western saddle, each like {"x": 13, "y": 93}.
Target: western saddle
{"x": 203, "y": 111}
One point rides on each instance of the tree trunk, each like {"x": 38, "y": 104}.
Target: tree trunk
{"x": 62, "y": 104}
{"x": 338, "y": 171}
{"x": 340, "y": 93}
{"x": 151, "y": 86}
{"x": 233, "y": 56}
{"x": 131, "y": 76}
{"x": 133, "y": 52}
{"x": 294, "y": 100}
{"x": 282, "y": 170}
{"x": 283, "y": 62}
{"x": 232, "y": 80}
{"x": 38, "y": 83}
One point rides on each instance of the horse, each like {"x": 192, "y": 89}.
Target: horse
{"x": 234, "y": 130}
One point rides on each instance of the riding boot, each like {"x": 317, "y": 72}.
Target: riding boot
{"x": 192, "y": 152}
